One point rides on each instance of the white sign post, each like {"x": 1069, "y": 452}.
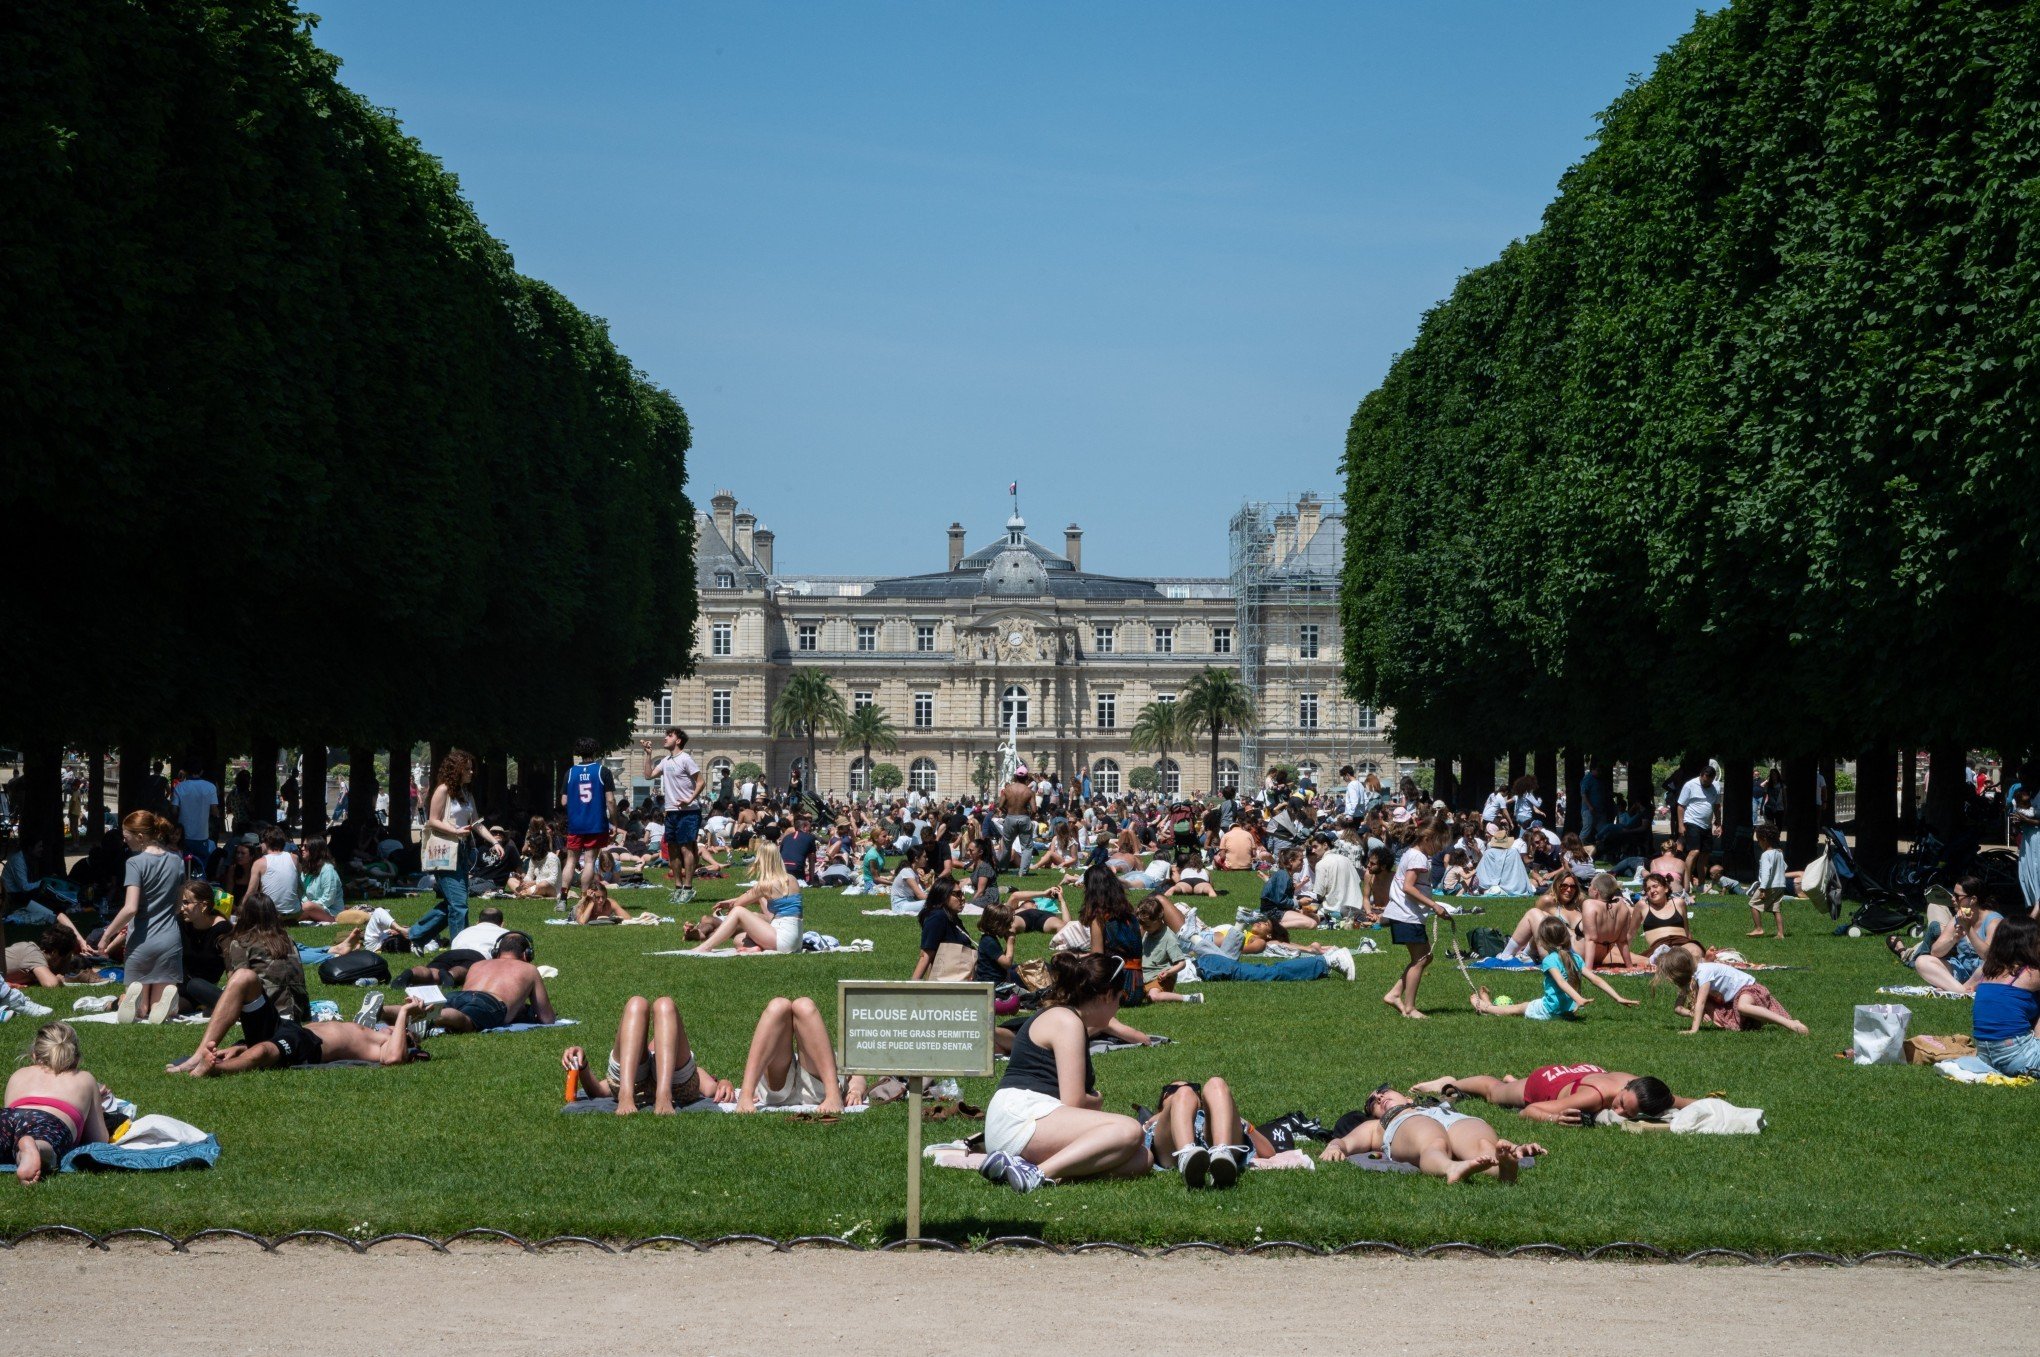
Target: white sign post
{"x": 914, "y": 1029}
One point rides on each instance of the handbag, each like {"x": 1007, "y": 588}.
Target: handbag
{"x": 953, "y": 961}
{"x": 1880, "y": 1034}
{"x": 439, "y": 853}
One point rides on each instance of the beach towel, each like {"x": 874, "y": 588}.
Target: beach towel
{"x": 153, "y": 1142}
{"x": 699, "y": 1105}
{"x": 1970, "y": 1069}
{"x": 530, "y": 1026}
{"x": 1922, "y": 992}
{"x": 957, "y": 1154}
{"x": 1375, "y": 1161}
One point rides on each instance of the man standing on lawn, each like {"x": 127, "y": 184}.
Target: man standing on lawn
{"x": 680, "y": 788}
{"x": 589, "y": 800}
{"x": 1697, "y": 802}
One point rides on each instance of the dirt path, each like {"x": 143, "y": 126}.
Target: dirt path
{"x": 226, "y": 1299}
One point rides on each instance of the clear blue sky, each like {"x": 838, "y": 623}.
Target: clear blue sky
{"x": 1145, "y": 258}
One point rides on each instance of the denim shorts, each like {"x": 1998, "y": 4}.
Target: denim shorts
{"x": 2015, "y": 1055}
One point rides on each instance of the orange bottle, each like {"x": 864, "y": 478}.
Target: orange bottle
{"x": 573, "y": 1084}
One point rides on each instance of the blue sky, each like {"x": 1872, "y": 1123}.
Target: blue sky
{"x": 1144, "y": 258}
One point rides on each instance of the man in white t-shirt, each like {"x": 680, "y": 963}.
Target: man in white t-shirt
{"x": 480, "y": 937}
{"x": 679, "y": 791}
{"x": 194, "y": 800}
{"x": 1697, "y": 802}
{"x": 1334, "y": 881}
{"x": 1356, "y": 791}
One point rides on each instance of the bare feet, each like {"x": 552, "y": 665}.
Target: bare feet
{"x": 1754, "y": 933}
{"x": 1462, "y": 1169}
{"x": 663, "y": 1109}
{"x": 832, "y": 1106}
{"x": 28, "y": 1160}
{"x": 1413, "y": 1013}
{"x": 1506, "y": 1165}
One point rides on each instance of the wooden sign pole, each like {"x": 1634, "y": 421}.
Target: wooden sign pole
{"x": 915, "y": 1087}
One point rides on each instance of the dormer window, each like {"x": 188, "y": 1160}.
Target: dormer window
{"x": 725, "y": 580}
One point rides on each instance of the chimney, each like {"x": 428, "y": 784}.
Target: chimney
{"x": 725, "y": 506}
{"x": 747, "y": 522}
{"x": 1073, "y": 545}
{"x": 955, "y": 545}
{"x": 1308, "y": 513}
{"x": 763, "y": 538}
{"x": 1285, "y": 538}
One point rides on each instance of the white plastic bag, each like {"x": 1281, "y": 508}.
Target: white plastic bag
{"x": 1880, "y": 1033}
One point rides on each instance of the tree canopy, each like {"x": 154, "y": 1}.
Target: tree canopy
{"x": 1732, "y": 452}
{"x": 266, "y": 366}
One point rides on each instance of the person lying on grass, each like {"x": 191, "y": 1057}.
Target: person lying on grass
{"x": 476, "y": 942}
{"x": 1046, "y": 1123}
{"x": 1731, "y": 999}
{"x": 52, "y": 1105}
{"x": 649, "y": 1061}
{"x": 325, "y": 1043}
{"x": 1198, "y": 1131}
{"x": 264, "y": 984}
{"x": 1440, "y": 1142}
{"x": 1563, "y": 973}
{"x": 500, "y": 991}
{"x": 792, "y": 1062}
{"x": 1568, "y": 1095}
{"x": 596, "y": 904}
{"x": 766, "y": 918}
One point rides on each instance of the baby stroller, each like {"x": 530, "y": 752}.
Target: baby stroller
{"x": 1879, "y": 908}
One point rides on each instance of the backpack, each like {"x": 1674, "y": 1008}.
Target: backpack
{"x": 1486, "y": 942}
{"x": 354, "y": 968}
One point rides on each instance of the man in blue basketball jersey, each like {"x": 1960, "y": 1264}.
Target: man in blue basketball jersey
{"x": 589, "y": 796}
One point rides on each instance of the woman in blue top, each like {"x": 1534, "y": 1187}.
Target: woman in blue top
{"x": 1951, "y": 954}
{"x": 768, "y": 915}
{"x": 2008, "y": 999}
{"x": 1563, "y": 972}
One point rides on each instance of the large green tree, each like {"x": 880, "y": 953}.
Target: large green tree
{"x": 806, "y": 707}
{"x": 869, "y": 728}
{"x": 1215, "y": 701}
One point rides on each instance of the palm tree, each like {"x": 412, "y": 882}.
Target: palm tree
{"x": 1159, "y": 726}
{"x": 869, "y": 728}
{"x": 808, "y": 705}
{"x": 1216, "y": 700}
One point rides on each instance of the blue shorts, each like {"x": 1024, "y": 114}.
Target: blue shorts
{"x": 683, "y": 828}
{"x": 1406, "y": 935}
{"x": 481, "y": 1008}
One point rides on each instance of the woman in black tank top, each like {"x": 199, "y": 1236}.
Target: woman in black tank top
{"x": 1046, "y": 1123}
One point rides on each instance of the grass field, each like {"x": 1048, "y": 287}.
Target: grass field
{"x": 1855, "y": 1159}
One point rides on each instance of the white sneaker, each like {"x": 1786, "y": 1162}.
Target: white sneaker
{"x": 1340, "y": 959}
{"x": 14, "y": 1000}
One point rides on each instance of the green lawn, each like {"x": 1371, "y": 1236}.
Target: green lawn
{"x": 1855, "y": 1159}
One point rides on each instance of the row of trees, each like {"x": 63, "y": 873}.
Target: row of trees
{"x": 1213, "y": 702}
{"x": 314, "y": 462}
{"x": 1732, "y": 454}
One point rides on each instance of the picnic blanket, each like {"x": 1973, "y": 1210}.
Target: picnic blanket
{"x": 151, "y": 1143}
{"x": 1923, "y": 992}
{"x": 608, "y": 1105}
{"x": 530, "y": 1026}
{"x": 1375, "y": 1161}
{"x": 957, "y": 1154}
{"x": 1970, "y": 1069}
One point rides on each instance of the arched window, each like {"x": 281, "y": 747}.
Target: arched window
{"x": 1171, "y": 777}
{"x": 719, "y": 770}
{"x": 1370, "y": 767}
{"x": 1228, "y": 773}
{"x": 921, "y": 777}
{"x": 1307, "y": 772}
{"x": 1013, "y": 708}
{"x": 860, "y": 775}
{"x": 1105, "y": 778}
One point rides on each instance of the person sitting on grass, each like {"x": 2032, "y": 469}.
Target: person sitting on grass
{"x": 324, "y": 900}
{"x": 1440, "y": 1142}
{"x": 52, "y": 1106}
{"x": 1409, "y": 891}
{"x": 1563, "y": 972}
{"x": 1046, "y": 1123}
{"x": 1162, "y": 955}
{"x": 1278, "y": 892}
{"x": 1731, "y": 999}
{"x": 325, "y": 1043}
{"x": 998, "y": 927}
{"x": 2007, "y": 990}
{"x": 767, "y": 916}
{"x": 1567, "y": 1095}
{"x": 1670, "y": 863}
{"x": 1198, "y": 1131}
{"x": 1664, "y": 920}
{"x": 1607, "y": 921}
{"x": 650, "y": 1061}
{"x": 908, "y": 889}
{"x": 792, "y": 1062}
{"x": 1951, "y": 952}
{"x": 1113, "y": 930}
{"x": 540, "y": 877}
{"x": 503, "y": 990}
{"x": 871, "y": 873}
{"x": 1458, "y": 880}
{"x": 264, "y": 984}
{"x": 947, "y": 952}
{"x": 597, "y": 905}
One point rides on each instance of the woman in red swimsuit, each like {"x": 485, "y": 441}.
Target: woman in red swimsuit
{"x": 52, "y": 1105}
{"x": 1569, "y": 1094}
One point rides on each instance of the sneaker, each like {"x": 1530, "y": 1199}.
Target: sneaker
{"x": 1340, "y": 959}
{"x": 1226, "y": 1163}
{"x": 1194, "y": 1163}
{"x": 369, "y": 1015}
{"x": 432, "y": 946}
{"x": 1018, "y": 1174}
{"x": 419, "y": 1028}
{"x": 15, "y": 1001}
{"x": 1196, "y": 998}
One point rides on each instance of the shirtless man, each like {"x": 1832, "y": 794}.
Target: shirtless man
{"x": 1442, "y": 1143}
{"x": 318, "y": 1043}
{"x": 496, "y": 992}
{"x": 1016, "y": 804}
{"x": 1568, "y": 1095}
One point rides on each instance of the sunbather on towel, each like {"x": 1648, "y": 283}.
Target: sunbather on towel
{"x": 52, "y": 1106}
{"x": 793, "y": 1063}
{"x": 322, "y": 1043}
{"x": 1569, "y": 1095}
{"x": 650, "y": 1061}
{"x": 1440, "y": 1142}
{"x": 504, "y": 989}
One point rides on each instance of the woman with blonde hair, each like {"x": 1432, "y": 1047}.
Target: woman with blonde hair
{"x": 52, "y": 1105}
{"x": 769, "y": 913}
{"x": 155, "y": 876}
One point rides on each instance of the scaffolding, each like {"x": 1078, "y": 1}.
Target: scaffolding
{"x": 1285, "y": 560}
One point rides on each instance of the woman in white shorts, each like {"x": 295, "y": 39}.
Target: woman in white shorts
{"x": 768, "y": 915}
{"x": 793, "y": 1063}
{"x": 1046, "y": 1123}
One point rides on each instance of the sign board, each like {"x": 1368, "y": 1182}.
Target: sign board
{"x": 941, "y": 1029}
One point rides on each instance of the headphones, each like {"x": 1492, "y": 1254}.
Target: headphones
{"x": 530, "y": 951}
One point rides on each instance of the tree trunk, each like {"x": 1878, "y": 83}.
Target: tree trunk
{"x": 1214, "y": 761}
{"x": 1575, "y": 770}
{"x": 360, "y": 785}
{"x": 1876, "y": 813}
{"x": 1640, "y": 788}
{"x": 1545, "y": 764}
{"x": 1738, "y": 789}
{"x": 1517, "y": 759}
{"x": 1443, "y": 785}
{"x": 401, "y": 792}
{"x": 40, "y": 806}
{"x": 134, "y": 775}
{"x": 262, "y": 755}
{"x": 1479, "y": 779}
{"x": 1834, "y": 789}
{"x": 95, "y": 793}
{"x": 312, "y": 771}
{"x": 1944, "y": 789}
{"x": 1802, "y": 818}
{"x": 1909, "y": 791}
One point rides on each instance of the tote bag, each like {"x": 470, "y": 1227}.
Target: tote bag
{"x": 439, "y": 854}
{"x": 1880, "y": 1033}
